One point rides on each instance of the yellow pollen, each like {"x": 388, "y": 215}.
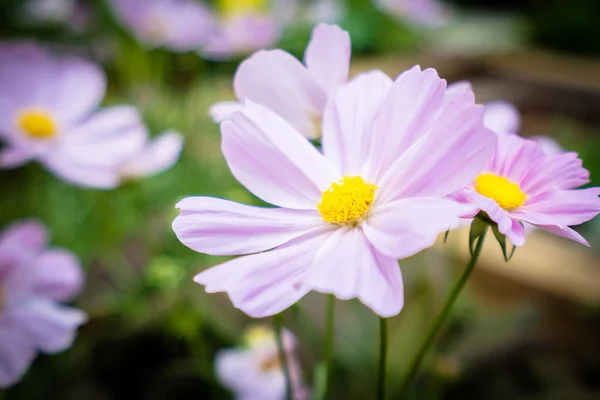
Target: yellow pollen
{"x": 239, "y": 7}
{"x": 37, "y": 124}
{"x": 507, "y": 194}
{"x": 347, "y": 201}
{"x": 257, "y": 336}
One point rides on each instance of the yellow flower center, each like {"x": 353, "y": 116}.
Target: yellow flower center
{"x": 507, "y": 194}
{"x": 347, "y": 201}
{"x": 37, "y": 124}
{"x": 258, "y": 335}
{"x": 239, "y": 7}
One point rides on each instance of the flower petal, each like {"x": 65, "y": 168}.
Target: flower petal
{"x": 514, "y": 156}
{"x": 221, "y": 227}
{"x": 273, "y": 161}
{"x": 278, "y": 81}
{"x": 555, "y": 172}
{"x": 507, "y": 224}
{"x": 348, "y": 266}
{"x": 109, "y": 138}
{"x": 12, "y": 157}
{"x": 58, "y": 275}
{"x": 447, "y": 158}
{"x": 83, "y": 175}
{"x": 565, "y": 232}
{"x": 405, "y": 227}
{"x": 17, "y": 352}
{"x": 29, "y": 234}
{"x": 502, "y": 117}
{"x": 266, "y": 283}
{"x": 348, "y": 117}
{"x": 565, "y": 207}
{"x": 327, "y": 57}
{"x": 223, "y": 110}
{"x": 51, "y": 326}
{"x": 407, "y": 113}
{"x": 159, "y": 155}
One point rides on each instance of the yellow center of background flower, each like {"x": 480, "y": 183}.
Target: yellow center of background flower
{"x": 37, "y": 124}
{"x": 507, "y": 194}
{"x": 347, "y": 201}
{"x": 258, "y": 335}
{"x": 240, "y": 7}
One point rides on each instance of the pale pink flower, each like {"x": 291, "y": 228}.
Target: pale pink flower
{"x": 297, "y": 92}
{"x": 178, "y": 25}
{"x": 523, "y": 185}
{"x": 47, "y": 106}
{"x": 421, "y": 12}
{"x": 253, "y": 371}
{"x": 34, "y": 280}
{"x": 346, "y": 215}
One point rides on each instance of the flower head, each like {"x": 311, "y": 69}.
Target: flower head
{"x": 34, "y": 280}
{"x": 297, "y": 92}
{"x": 241, "y": 27}
{"x": 47, "y": 114}
{"x": 179, "y": 25}
{"x": 521, "y": 184}
{"x": 346, "y": 215}
{"x": 254, "y": 372}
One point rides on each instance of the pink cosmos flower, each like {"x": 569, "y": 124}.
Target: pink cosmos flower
{"x": 297, "y": 92}
{"x": 241, "y": 27}
{"x": 421, "y": 12}
{"x": 254, "y": 372}
{"x": 34, "y": 280}
{"x": 46, "y": 114}
{"x": 346, "y": 215}
{"x": 521, "y": 184}
{"x": 179, "y": 25}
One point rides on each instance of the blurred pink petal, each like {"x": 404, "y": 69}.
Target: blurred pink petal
{"x": 32, "y": 279}
{"x": 179, "y": 25}
{"x": 502, "y": 117}
{"x": 158, "y": 155}
{"x": 428, "y": 13}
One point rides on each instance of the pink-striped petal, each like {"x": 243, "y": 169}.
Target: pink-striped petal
{"x": 28, "y": 235}
{"x": 221, "y": 227}
{"x": 507, "y": 224}
{"x": 273, "y": 161}
{"x": 223, "y": 110}
{"x": 445, "y": 159}
{"x": 348, "y": 118}
{"x": 514, "y": 157}
{"x": 327, "y": 57}
{"x": 407, "y": 113}
{"x": 405, "y": 227}
{"x": 348, "y": 266}
{"x": 555, "y": 172}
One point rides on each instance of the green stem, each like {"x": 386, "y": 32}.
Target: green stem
{"x": 324, "y": 368}
{"x": 441, "y": 318}
{"x": 283, "y": 356}
{"x": 383, "y": 343}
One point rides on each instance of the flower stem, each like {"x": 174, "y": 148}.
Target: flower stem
{"x": 283, "y": 356}
{"x": 383, "y": 343}
{"x": 441, "y": 318}
{"x": 323, "y": 368}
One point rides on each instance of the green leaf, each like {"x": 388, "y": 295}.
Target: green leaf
{"x": 478, "y": 226}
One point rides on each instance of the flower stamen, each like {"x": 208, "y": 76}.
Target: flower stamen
{"x": 347, "y": 201}
{"x": 507, "y": 194}
{"x": 37, "y": 124}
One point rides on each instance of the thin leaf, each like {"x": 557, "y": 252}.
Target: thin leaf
{"x": 478, "y": 226}
{"x": 501, "y": 241}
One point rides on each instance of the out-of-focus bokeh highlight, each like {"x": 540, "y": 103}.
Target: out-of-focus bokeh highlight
{"x": 527, "y": 329}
